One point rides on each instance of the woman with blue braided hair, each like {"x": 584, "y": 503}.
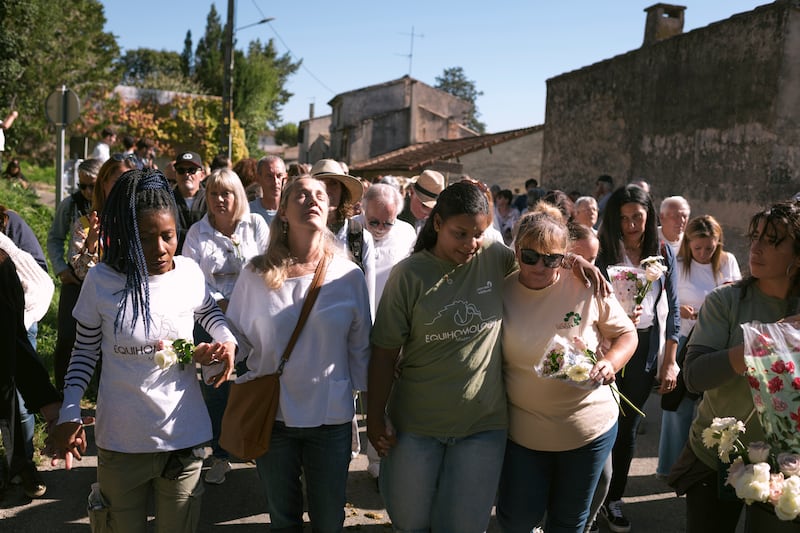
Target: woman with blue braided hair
{"x": 150, "y": 413}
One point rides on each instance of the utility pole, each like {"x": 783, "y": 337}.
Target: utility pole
{"x": 227, "y": 85}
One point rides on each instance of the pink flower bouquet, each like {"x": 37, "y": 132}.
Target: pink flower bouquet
{"x": 772, "y": 355}
{"x": 766, "y": 472}
{"x": 626, "y": 281}
{"x": 631, "y": 284}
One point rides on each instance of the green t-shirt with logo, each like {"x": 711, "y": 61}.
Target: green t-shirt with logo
{"x": 718, "y": 327}
{"x": 446, "y": 318}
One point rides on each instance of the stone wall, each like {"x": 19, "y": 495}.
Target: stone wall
{"x": 507, "y": 164}
{"x": 712, "y": 115}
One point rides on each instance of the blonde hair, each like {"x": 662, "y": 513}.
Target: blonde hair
{"x": 543, "y": 228}
{"x": 226, "y": 179}
{"x": 699, "y": 228}
{"x": 274, "y": 263}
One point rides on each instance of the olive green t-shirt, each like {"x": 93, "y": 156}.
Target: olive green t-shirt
{"x": 446, "y": 318}
{"x": 718, "y": 327}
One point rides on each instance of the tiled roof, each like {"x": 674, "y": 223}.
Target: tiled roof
{"x": 419, "y": 156}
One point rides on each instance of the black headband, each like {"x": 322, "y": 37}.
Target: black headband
{"x": 425, "y": 191}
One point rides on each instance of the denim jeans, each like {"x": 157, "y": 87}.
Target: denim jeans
{"x": 559, "y": 483}
{"x": 322, "y": 455}
{"x": 635, "y": 384}
{"x": 25, "y": 423}
{"x": 442, "y": 485}
{"x": 675, "y": 426}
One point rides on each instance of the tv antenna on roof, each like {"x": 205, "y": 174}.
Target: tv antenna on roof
{"x": 410, "y": 54}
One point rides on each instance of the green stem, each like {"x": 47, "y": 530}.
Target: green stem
{"x": 615, "y": 389}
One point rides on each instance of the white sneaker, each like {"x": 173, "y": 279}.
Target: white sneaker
{"x": 216, "y": 474}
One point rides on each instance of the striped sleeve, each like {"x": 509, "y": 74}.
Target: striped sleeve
{"x": 211, "y": 317}
{"x": 82, "y": 363}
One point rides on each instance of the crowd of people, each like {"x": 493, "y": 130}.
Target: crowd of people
{"x": 440, "y": 301}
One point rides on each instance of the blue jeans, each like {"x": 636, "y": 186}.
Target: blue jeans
{"x": 560, "y": 483}
{"x": 442, "y": 485}
{"x": 675, "y": 426}
{"x": 22, "y": 453}
{"x": 322, "y": 454}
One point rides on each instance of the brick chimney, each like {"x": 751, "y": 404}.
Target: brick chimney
{"x": 663, "y": 21}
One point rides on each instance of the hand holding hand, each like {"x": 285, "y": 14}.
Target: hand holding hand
{"x": 218, "y": 352}
{"x": 67, "y": 441}
{"x": 381, "y": 435}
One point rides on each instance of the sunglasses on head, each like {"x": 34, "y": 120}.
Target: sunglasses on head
{"x": 86, "y": 186}
{"x": 122, "y": 157}
{"x": 376, "y": 223}
{"x": 531, "y": 257}
{"x": 186, "y": 170}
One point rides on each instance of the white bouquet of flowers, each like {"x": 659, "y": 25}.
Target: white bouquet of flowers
{"x": 757, "y": 473}
{"x": 572, "y": 362}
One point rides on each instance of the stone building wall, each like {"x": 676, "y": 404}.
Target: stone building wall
{"x": 507, "y": 164}
{"x": 712, "y": 115}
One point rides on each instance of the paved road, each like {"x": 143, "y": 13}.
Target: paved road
{"x": 239, "y": 505}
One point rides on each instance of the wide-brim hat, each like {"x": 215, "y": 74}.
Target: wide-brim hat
{"x": 328, "y": 168}
{"x": 428, "y": 186}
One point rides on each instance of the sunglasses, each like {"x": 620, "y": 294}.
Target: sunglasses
{"x": 376, "y": 223}
{"x": 122, "y": 157}
{"x": 531, "y": 257}
{"x": 186, "y": 170}
{"x": 86, "y": 186}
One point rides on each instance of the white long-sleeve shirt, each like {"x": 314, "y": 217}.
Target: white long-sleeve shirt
{"x": 219, "y": 258}
{"x": 332, "y": 353}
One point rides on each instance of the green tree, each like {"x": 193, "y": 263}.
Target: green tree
{"x": 44, "y": 44}
{"x": 286, "y": 134}
{"x": 209, "y": 56}
{"x": 258, "y": 88}
{"x": 454, "y": 81}
{"x": 187, "y": 56}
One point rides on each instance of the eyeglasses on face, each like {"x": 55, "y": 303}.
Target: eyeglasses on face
{"x": 186, "y": 170}
{"x": 531, "y": 257}
{"x": 86, "y": 186}
{"x": 375, "y": 223}
{"x": 122, "y": 157}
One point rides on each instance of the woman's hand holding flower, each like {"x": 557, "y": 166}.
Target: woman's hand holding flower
{"x": 603, "y": 372}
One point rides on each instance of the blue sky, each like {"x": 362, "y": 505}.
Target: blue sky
{"x": 508, "y": 47}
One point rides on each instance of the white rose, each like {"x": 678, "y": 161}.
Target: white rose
{"x": 753, "y": 483}
{"x": 788, "y": 505}
{"x": 166, "y": 357}
{"x": 758, "y": 452}
{"x": 789, "y": 464}
{"x": 654, "y": 271}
